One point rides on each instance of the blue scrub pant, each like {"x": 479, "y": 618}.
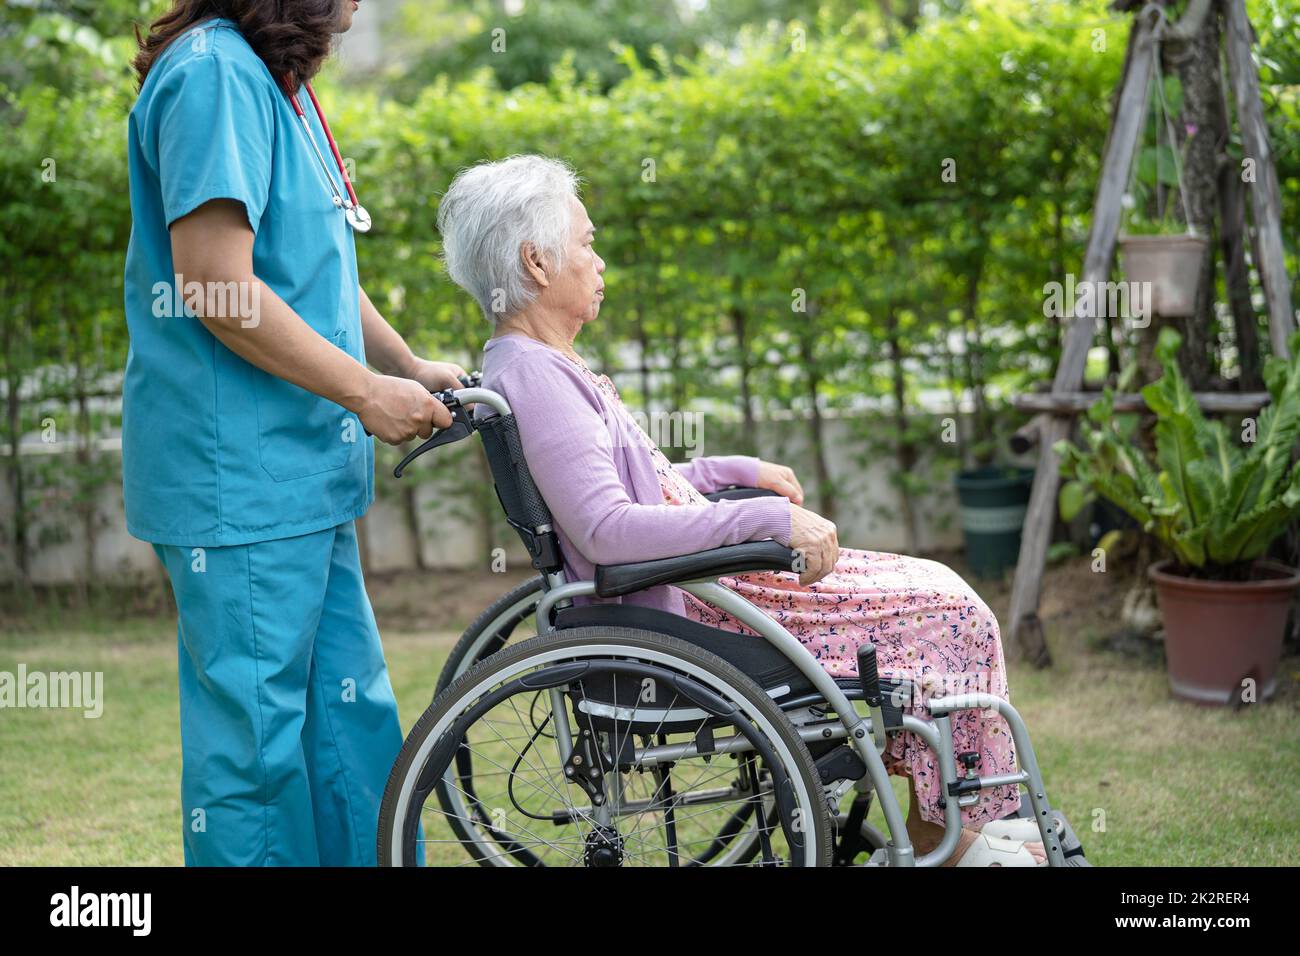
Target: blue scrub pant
{"x": 289, "y": 725}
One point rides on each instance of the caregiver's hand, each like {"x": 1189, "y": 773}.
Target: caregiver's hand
{"x": 435, "y": 376}
{"x": 816, "y": 540}
{"x": 780, "y": 479}
{"x": 396, "y": 409}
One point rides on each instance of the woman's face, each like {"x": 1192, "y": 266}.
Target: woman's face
{"x": 578, "y": 290}
{"x": 348, "y": 7}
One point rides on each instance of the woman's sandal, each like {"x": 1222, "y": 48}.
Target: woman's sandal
{"x": 985, "y": 850}
{"x": 1024, "y": 829}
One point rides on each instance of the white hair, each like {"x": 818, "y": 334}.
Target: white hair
{"x": 492, "y": 209}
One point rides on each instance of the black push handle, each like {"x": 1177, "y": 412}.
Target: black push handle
{"x": 468, "y": 380}
{"x": 461, "y": 425}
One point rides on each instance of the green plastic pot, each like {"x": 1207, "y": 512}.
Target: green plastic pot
{"x": 993, "y": 503}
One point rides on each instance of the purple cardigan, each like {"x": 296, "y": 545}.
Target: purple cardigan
{"x": 600, "y": 483}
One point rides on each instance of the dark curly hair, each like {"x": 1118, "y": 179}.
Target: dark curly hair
{"x": 292, "y": 37}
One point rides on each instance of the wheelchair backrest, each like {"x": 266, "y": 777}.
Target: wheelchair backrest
{"x": 519, "y": 497}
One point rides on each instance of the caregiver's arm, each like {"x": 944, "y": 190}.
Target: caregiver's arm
{"x": 387, "y": 351}
{"x": 566, "y": 445}
{"x": 213, "y": 245}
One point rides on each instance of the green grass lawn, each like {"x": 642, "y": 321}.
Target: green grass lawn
{"x": 1145, "y": 780}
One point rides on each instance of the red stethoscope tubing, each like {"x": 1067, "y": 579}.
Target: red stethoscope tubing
{"x": 329, "y": 137}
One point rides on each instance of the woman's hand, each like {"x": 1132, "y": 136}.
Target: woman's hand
{"x": 817, "y": 543}
{"x": 780, "y": 479}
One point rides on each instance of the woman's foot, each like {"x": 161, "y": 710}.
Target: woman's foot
{"x": 1024, "y": 829}
{"x": 984, "y": 850}
{"x": 926, "y": 836}
{"x": 926, "y": 843}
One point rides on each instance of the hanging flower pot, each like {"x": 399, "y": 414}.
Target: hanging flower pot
{"x": 1156, "y": 249}
{"x": 1171, "y": 264}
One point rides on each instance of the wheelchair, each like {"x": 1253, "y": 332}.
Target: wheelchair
{"x": 618, "y": 735}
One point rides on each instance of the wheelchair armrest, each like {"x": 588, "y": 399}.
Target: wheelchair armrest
{"x": 615, "y": 580}
{"x": 737, "y": 492}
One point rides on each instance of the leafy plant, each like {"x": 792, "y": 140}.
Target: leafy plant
{"x": 1138, "y": 225}
{"x": 1213, "y": 504}
{"x": 1156, "y": 182}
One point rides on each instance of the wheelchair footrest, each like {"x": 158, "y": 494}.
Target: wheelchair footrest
{"x": 1070, "y": 845}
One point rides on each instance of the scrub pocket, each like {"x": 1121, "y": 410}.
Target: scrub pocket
{"x": 300, "y": 434}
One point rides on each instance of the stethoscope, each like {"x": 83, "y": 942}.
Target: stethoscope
{"x": 353, "y": 211}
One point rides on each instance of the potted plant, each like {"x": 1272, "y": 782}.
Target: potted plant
{"x": 1160, "y": 250}
{"x": 1216, "y": 506}
{"x": 1169, "y": 258}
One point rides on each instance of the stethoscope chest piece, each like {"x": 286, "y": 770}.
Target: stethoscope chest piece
{"x": 357, "y": 217}
{"x": 353, "y": 211}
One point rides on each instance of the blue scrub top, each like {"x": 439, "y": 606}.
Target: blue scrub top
{"x": 215, "y": 451}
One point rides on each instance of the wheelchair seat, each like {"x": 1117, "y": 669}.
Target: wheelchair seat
{"x": 752, "y": 656}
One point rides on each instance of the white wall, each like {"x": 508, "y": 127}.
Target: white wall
{"x": 449, "y": 536}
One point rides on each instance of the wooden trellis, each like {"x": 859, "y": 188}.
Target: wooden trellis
{"x": 1056, "y": 409}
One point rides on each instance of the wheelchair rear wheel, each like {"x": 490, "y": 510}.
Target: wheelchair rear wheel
{"x": 671, "y": 751}
{"x": 736, "y": 842}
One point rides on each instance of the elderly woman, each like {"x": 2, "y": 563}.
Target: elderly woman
{"x": 519, "y": 240}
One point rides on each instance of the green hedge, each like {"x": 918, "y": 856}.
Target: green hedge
{"x": 776, "y": 219}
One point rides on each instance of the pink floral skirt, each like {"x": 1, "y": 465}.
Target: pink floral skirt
{"x": 929, "y": 627}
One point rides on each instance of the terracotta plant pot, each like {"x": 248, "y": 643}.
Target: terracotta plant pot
{"x": 1218, "y": 633}
{"x": 1171, "y": 263}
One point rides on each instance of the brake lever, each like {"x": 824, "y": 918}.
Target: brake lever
{"x": 468, "y": 380}
{"x": 459, "y": 428}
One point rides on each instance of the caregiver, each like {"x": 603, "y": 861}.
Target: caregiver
{"x": 246, "y": 408}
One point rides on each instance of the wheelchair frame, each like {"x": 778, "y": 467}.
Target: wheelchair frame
{"x": 697, "y": 574}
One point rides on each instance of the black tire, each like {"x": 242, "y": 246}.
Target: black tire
{"x": 503, "y": 617}
{"x": 396, "y": 835}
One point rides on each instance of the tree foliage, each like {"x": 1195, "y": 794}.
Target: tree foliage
{"x": 841, "y": 213}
